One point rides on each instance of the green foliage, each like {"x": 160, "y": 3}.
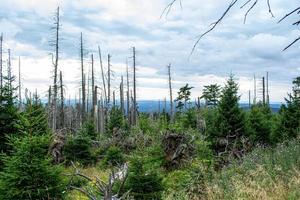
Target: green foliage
{"x": 113, "y": 157}
{"x": 259, "y": 123}
{"x": 211, "y": 94}
{"x": 33, "y": 118}
{"x": 78, "y": 149}
{"x": 28, "y": 173}
{"x": 145, "y": 123}
{"x": 183, "y": 97}
{"x": 289, "y": 125}
{"x": 9, "y": 115}
{"x": 143, "y": 183}
{"x": 89, "y": 129}
{"x": 116, "y": 120}
{"x": 231, "y": 120}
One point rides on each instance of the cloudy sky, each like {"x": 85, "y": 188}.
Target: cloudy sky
{"x": 117, "y": 25}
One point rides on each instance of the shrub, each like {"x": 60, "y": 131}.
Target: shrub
{"x": 113, "y": 157}
{"x": 28, "y": 173}
{"x": 89, "y": 129}
{"x": 78, "y": 149}
{"x": 143, "y": 183}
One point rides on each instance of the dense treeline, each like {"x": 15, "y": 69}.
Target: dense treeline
{"x": 102, "y": 147}
{"x": 159, "y": 156}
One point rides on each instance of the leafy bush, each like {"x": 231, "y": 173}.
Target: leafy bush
{"x": 143, "y": 183}
{"x": 89, "y": 129}
{"x": 78, "y": 149}
{"x": 113, "y": 157}
{"x": 28, "y": 173}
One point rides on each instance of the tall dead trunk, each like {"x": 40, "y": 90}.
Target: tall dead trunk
{"x": 127, "y": 94}
{"x": 267, "y": 89}
{"x": 134, "y": 122}
{"x": 62, "y": 100}
{"x": 94, "y": 102}
{"x": 103, "y": 77}
{"x": 122, "y": 95}
{"x": 9, "y": 75}
{"x": 83, "y": 113}
{"x": 108, "y": 78}
{"x": 254, "y": 97}
{"x": 171, "y": 95}
{"x": 264, "y": 91}
{"x": 54, "y": 102}
{"x": 1, "y": 62}
{"x": 114, "y": 99}
{"x": 20, "y": 86}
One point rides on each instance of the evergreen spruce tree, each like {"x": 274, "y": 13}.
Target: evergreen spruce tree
{"x": 34, "y": 118}
{"x": 141, "y": 183}
{"x": 231, "y": 119}
{"x": 28, "y": 172}
{"x": 259, "y": 123}
{"x": 211, "y": 94}
{"x": 9, "y": 114}
{"x": 289, "y": 125}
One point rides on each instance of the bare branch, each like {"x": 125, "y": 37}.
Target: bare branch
{"x": 296, "y": 40}
{"x": 297, "y": 9}
{"x": 248, "y": 11}
{"x": 269, "y": 6}
{"x": 168, "y": 8}
{"x": 214, "y": 25}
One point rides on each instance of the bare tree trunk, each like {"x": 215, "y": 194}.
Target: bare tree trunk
{"x": 103, "y": 77}
{"x": 83, "y": 117}
{"x": 108, "y": 78}
{"x": 54, "y": 103}
{"x": 62, "y": 100}
{"x": 88, "y": 93}
{"x": 122, "y": 95}
{"x": 20, "y": 86}
{"x": 128, "y": 97}
{"x": 134, "y": 122}
{"x": 9, "y": 72}
{"x": 268, "y": 97}
{"x": 1, "y": 62}
{"x": 254, "y": 98}
{"x": 114, "y": 99}
{"x": 171, "y": 95}
{"x": 249, "y": 95}
{"x": 94, "y": 101}
{"x": 95, "y": 105}
{"x": 264, "y": 91}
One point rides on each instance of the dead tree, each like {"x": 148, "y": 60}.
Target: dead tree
{"x": 127, "y": 93}
{"x": 20, "y": 86}
{"x": 102, "y": 73}
{"x": 114, "y": 99}
{"x": 264, "y": 91}
{"x": 9, "y": 73}
{"x": 108, "y": 78}
{"x": 62, "y": 100}
{"x": 254, "y": 98}
{"x": 122, "y": 95}
{"x": 267, "y": 89}
{"x": 55, "y": 64}
{"x": 134, "y": 117}
{"x": 94, "y": 100}
{"x": 1, "y": 62}
{"x": 171, "y": 96}
{"x": 83, "y": 113}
